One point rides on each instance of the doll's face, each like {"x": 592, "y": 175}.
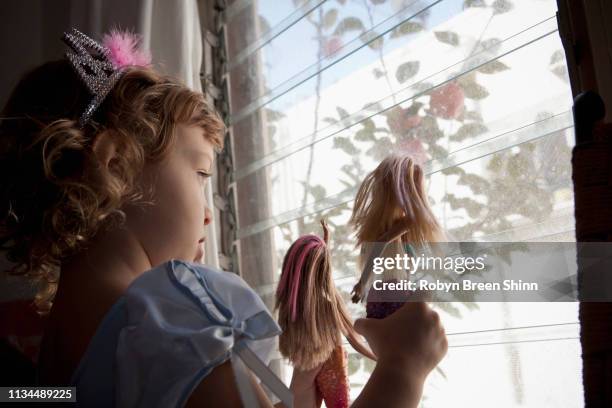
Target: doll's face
{"x": 174, "y": 227}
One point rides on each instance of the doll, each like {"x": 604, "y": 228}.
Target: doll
{"x": 313, "y": 317}
{"x": 391, "y": 215}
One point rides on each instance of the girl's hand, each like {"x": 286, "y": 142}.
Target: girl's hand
{"x": 412, "y": 339}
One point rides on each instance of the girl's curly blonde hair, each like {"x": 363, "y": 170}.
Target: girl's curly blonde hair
{"x": 54, "y": 194}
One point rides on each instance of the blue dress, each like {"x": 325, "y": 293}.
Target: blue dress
{"x": 174, "y": 324}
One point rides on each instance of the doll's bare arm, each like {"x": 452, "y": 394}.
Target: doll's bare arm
{"x": 359, "y": 345}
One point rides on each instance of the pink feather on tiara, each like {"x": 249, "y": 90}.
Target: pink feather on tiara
{"x": 124, "y": 49}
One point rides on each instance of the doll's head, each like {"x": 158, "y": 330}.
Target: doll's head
{"x": 311, "y": 311}
{"x": 139, "y": 163}
{"x": 394, "y": 193}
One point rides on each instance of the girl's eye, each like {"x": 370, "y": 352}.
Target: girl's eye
{"x": 204, "y": 174}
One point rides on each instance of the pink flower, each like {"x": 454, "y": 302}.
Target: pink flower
{"x": 124, "y": 49}
{"x": 447, "y": 101}
{"x": 332, "y": 45}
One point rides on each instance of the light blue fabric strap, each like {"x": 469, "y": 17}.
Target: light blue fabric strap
{"x": 245, "y": 388}
{"x": 262, "y": 371}
{"x": 256, "y": 327}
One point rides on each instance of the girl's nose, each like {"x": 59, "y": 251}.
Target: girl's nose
{"x": 207, "y": 215}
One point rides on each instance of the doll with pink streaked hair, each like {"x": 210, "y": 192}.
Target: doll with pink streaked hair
{"x": 313, "y": 317}
{"x": 391, "y": 215}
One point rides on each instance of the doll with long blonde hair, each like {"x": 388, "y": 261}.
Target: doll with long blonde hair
{"x": 313, "y": 317}
{"x": 391, "y": 215}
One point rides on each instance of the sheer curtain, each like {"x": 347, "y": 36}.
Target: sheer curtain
{"x": 475, "y": 89}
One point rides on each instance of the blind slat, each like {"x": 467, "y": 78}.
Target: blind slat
{"x": 356, "y": 44}
{"x": 289, "y": 21}
{"x": 506, "y": 140}
{"x": 412, "y": 91}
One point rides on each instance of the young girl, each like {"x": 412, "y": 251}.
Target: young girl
{"x": 103, "y": 168}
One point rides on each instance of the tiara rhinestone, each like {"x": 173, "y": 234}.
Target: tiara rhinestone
{"x": 96, "y": 71}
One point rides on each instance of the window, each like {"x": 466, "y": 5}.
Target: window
{"x": 478, "y": 90}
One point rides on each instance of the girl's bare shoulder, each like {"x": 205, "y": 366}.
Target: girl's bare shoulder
{"x": 77, "y": 311}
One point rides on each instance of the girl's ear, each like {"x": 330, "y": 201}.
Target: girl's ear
{"x": 104, "y": 147}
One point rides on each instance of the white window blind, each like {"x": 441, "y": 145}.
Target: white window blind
{"x": 321, "y": 91}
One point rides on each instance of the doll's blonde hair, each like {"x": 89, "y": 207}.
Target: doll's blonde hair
{"x": 392, "y": 205}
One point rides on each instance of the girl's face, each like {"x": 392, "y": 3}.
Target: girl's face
{"x": 174, "y": 227}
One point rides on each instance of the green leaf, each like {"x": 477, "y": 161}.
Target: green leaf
{"x": 471, "y": 206}
{"x": 406, "y": 71}
{"x": 318, "y": 192}
{"x": 490, "y": 45}
{"x": 453, "y": 170}
{"x": 558, "y": 56}
{"x": 330, "y": 120}
{"x": 414, "y": 108}
{"x": 474, "y": 90}
{"x": 468, "y": 130}
{"x": 474, "y": 3}
{"x": 493, "y": 67}
{"x": 502, "y": 6}
{"x": 408, "y": 27}
{"x": 561, "y": 72}
{"x": 422, "y": 86}
{"x": 377, "y": 73}
{"x": 343, "y": 143}
{"x": 365, "y": 135}
{"x": 472, "y": 115}
{"x": 264, "y": 26}
{"x": 342, "y": 112}
{"x": 372, "y": 39}
{"x": 367, "y": 132}
{"x": 447, "y": 37}
{"x": 273, "y": 115}
{"x": 495, "y": 164}
{"x": 348, "y": 24}
{"x": 478, "y": 184}
{"x": 329, "y": 19}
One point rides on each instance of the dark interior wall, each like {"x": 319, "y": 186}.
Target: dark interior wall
{"x": 30, "y": 30}
{"x": 29, "y": 35}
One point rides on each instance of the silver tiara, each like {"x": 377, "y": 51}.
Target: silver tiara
{"x": 97, "y": 72}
